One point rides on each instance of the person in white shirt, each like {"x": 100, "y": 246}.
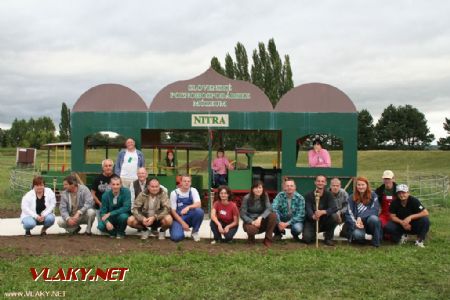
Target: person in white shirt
{"x": 128, "y": 162}
{"x": 186, "y": 210}
{"x": 37, "y": 207}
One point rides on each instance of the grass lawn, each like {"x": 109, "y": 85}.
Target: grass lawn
{"x": 343, "y": 272}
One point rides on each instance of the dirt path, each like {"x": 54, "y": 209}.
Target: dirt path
{"x": 80, "y": 245}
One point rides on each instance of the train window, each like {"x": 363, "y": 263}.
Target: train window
{"x": 101, "y": 145}
{"x": 328, "y": 152}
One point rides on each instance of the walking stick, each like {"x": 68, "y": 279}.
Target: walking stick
{"x": 317, "y": 197}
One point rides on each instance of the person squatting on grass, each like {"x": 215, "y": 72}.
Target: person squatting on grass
{"x": 362, "y": 215}
{"x": 151, "y": 209}
{"x": 289, "y": 206}
{"x": 408, "y": 216}
{"x": 386, "y": 195}
{"x": 101, "y": 184}
{"x": 37, "y": 207}
{"x": 186, "y": 210}
{"x": 325, "y": 213}
{"x": 76, "y": 206}
{"x": 224, "y": 216}
{"x": 341, "y": 198}
{"x": 256, "y": 212}
{"x": 115, "y": 209}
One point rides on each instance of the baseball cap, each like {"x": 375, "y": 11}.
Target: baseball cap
{"x": 402, "y": 188}
{"x": 388, "y": 174}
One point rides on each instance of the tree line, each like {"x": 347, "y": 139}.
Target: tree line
{"x": 36, "y": 132}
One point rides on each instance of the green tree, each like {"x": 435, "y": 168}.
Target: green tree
{"x": 4, "y": 138}
{"x": 18, "y": 132}
{"x": 229, "y": 66}
{"x": 40, "y": 131}
{"x": 404, "y": 127}
{"x": 444, "y": 143}
{"x": 366, "y": 130}
{"x": 64, "y": 124}
{"x": 215, "y": 64}
{"x": 268, "y": 71}
{"x": 241, "y": 65}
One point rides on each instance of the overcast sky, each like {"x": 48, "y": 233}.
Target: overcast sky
{"x": 377, "y": 52}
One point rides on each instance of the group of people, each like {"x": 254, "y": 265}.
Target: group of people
{"x": 123, "y": 195}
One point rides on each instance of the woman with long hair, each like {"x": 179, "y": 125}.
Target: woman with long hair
{"x": 256, "y": 212}
{"x": 362, "y": 215}
{"x": 224, "y": 216}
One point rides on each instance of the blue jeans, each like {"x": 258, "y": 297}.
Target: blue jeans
{"x": 372, "y": 225}
{"x": 30, "y": 222}
{"x": 419, "y": 227}
{"x": 227, "y": 236}
{"x": 193, "y": 218}
{"x": 296, "y": 229}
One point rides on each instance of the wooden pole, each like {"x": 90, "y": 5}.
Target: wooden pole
{"x": 317, "y": 198}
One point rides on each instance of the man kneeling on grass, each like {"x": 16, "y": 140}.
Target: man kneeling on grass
{"x": 408, "y": 215}
{"x": 151, "y": 209}
{"x": 115, "y": 209}
{"x": 76, "y": 206}
{"x": 290, "y": 209}
{"x": 185, "y": 205}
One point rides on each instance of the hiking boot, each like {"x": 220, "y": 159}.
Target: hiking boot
{"x": 28, "y": 232}
{"x": 196, "y": 236}
{"x": 267, "y": 242}
{"x": 144, "y": 235}
{"x": 403, "y": 239}
{"x": 419, "y": 244}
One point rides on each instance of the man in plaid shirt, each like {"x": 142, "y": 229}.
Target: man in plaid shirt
{"x": 289, "y": 207}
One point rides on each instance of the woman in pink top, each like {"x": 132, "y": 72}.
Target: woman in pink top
{"x": 220, "y": 165}
{"x": 319, "y": 157}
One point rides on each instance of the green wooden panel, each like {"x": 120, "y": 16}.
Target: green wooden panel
{"x": 240, "y": 179}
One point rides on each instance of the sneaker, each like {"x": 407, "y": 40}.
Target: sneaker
{"x": 420, "y": 244}
{"x": 119, "y": 237}
{"x": 213, "y": 242}
{"x": 196, "y": 236}
{"x": 403, "y": 239}
{"x": 27, "y": 233}
{"x": 161, "y": 235}
{"x": 144, "y": 235}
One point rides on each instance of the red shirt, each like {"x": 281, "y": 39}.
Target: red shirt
{"x": 226, "y": 213}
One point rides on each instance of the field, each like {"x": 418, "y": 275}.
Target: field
{"x": 203, "y": 271}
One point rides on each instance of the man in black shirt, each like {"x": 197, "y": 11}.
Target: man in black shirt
{"x": 326, "y": 213}
{"x": 408, "y": 215}
{"x": 101, "y": 184}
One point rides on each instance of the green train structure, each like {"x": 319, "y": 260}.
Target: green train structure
{"x": 216, "y": 105}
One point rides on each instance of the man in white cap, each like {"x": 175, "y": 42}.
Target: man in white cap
{"x": 408, "y": 215}
{"x": 386, "y": 194}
